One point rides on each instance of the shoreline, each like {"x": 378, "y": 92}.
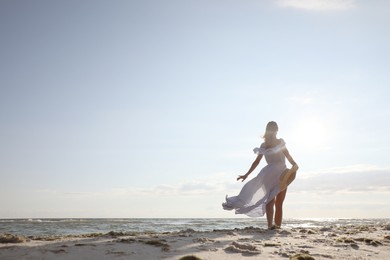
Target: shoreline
{"x": 328, "y": 242}
{"x": 82, "y": 226}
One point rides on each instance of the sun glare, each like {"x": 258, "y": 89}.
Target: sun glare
{"x": 312, "y": 133}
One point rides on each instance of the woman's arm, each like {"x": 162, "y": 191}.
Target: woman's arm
{"x": 254, "y": 165}
{"x": 289, "y": 158}
{"x": 291, "y": 174}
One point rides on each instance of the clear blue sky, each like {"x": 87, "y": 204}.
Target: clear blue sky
{"x": 152, "y": 108}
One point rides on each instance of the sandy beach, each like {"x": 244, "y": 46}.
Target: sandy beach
{"x": 333, "y": 242}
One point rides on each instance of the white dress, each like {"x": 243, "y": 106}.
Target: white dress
{"x": 256, "y": 193}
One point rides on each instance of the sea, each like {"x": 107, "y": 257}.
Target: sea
{"x": 80, "y": 226}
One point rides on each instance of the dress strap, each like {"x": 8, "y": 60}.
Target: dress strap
{"x": 261, "y": 150}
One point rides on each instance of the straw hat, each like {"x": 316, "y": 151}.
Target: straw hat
{"x": 288, "y": 177}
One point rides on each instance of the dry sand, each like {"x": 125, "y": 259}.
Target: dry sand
{"x": 345, "y": 242}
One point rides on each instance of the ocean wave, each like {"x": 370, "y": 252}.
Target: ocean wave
{"x": 72, "y": 226}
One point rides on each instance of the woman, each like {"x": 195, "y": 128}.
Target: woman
{"x": 268, "y": 189}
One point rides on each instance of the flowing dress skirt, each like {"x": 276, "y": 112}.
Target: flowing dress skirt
{"x": 256, "y": 193}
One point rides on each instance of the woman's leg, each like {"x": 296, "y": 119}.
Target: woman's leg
{"x": 279, "y": 207}
{"x": 270, "y": 212}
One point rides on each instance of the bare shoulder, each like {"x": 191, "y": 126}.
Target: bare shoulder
{"x": 281, "y": 141}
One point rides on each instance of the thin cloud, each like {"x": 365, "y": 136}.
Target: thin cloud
{"x": 353, "y": 179}
{"x": 362, "y": 178}
{"x": 346, "y": 179}
{"x": 220, "y": 183}
{"x": 356, "y": 168}
{"x": 342, "y": 180}
{"x": 193, "y": 188}
{"x": 319, "y": 5}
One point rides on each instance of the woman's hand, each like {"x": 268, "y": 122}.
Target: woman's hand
{"x": 243, "y": 177}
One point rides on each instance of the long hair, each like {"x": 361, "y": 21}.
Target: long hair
{"x": 270, "y": 132}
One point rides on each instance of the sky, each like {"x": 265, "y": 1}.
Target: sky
{"x": 151, "y": 109}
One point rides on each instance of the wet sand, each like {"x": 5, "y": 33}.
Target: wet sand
{"x": 331, "y": 242}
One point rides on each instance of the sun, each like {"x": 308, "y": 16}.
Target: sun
{"x": 312, "y": 133}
